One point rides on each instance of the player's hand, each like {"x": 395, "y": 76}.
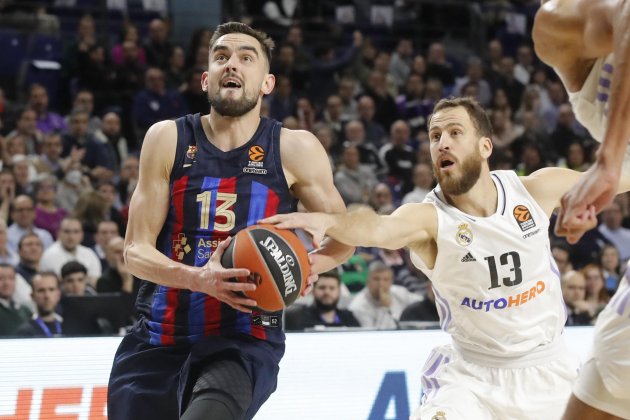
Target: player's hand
{"x": 594, "y": 191}
{"x": 314, "y": 223}
{"x": 312, "y": 277}
{"x": 213, "y": 279}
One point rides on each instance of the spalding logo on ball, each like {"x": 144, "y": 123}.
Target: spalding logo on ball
{"x": 277, "y": 261}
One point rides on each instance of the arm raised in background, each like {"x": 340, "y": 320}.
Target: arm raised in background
{"x": 147, "y": 212}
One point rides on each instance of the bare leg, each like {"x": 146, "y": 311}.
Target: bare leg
{"x": 577, "y": 410}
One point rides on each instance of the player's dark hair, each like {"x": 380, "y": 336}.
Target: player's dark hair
{"x": 475, "y": 111}
{"x": 265, "y": 40}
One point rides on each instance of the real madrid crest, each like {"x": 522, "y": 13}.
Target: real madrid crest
{"x": 464, "y": 235}
{"x": 440, "y": 415}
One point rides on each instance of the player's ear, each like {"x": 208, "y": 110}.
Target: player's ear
{"x": 268, "y": 84}
{"x": 204, "y": 81}
{"x": 485, "y": 147}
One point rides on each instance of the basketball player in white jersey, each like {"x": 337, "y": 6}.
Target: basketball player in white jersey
{"x": 587, "y": 43}
{"x": 481, "y": 237}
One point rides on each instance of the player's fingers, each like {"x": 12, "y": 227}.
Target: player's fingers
{"x": 602, "y": 202}
{"x": 218, "y": 253}
{"x": 307, "y": 290}
{"x": 232, "y": 272}
{"x": 271, "y": 220}
{"x": 239, "y": 307}
{"x": 559, "y": 230}
{"x": 237, "y": 286}
{"x": 318, "y": 238}
{"x": 238, "y": 299}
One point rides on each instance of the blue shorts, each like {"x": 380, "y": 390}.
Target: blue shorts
{"x": 155, "y": 382}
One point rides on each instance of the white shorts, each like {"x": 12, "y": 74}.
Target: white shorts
{"x": 455, "y": 389}
{"x": 605, "y": 382}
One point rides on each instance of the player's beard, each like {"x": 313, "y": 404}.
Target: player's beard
{"x": 457, "y": 184}
{"x": 229, "y": 107}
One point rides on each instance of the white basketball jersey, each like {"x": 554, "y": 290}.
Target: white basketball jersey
{"x": 496, "y": 284}
{"x": 590, "y": 104}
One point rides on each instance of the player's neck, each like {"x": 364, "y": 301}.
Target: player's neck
{"x": 481, "y": 200}
{"x": 228, "y": 133}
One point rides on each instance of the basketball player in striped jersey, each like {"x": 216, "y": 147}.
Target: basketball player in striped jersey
{"x": 588, "y": 44}
{"x": 197, "y": 351}
{"x": 481, "y": 237}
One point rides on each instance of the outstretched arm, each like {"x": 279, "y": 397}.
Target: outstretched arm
{"x": 147, "y": 212}
{"x": 410, "y": 224}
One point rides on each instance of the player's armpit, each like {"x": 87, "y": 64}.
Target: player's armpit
{"x": 309, "y": 174}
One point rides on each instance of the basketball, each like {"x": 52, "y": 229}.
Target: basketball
{"x": 277, "y": 261}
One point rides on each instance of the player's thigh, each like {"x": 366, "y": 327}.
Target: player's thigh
{"x": 591, "y": 394}
{"x": 144, "y": 381}
{"x": 578, "y": 410}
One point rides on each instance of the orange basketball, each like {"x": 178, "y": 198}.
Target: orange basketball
{"x": 277, "y": 261}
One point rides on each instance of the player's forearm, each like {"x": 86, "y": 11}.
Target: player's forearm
{"x": 331, "y": 254}
{"x": 617, "y": 135}
{"x": 357, "y": 228}
{"x": 146, "y": 262}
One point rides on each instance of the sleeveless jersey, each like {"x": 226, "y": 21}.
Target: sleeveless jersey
{"x": 590, "y": 104}
{"x": 497, "y": 287}
{"x": 213, "y": 195}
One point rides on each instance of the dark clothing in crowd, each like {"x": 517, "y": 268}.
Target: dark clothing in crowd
{"x": 301, "y": 317}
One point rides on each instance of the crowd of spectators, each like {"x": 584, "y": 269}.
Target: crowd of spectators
{"x": 68, "y": 172}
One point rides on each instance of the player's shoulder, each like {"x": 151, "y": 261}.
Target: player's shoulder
{"x": 300, "y": 148}
{"x": 297, "y": 139}
{"x": 159, "y": 145}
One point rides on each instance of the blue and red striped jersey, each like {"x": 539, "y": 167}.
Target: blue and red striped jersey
{"x": 213, "y": 195}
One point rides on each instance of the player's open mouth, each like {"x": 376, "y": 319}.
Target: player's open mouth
{"x": 231, "y": 83}
{"x": 446, "y": 163}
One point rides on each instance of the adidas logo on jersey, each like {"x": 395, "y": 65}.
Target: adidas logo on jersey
{"x": 468, "y": 258}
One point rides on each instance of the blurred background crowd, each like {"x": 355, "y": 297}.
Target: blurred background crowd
{"x": 82, "y": 80}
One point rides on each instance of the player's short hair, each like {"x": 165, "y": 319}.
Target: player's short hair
{"x": 477, "y": 114}
{"x": 264, "y": 39}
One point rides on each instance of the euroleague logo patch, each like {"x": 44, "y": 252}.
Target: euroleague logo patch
{"x": 255, "y": 165}
{"x": 256, "y": 153}
{"x": 523, "y": 217}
